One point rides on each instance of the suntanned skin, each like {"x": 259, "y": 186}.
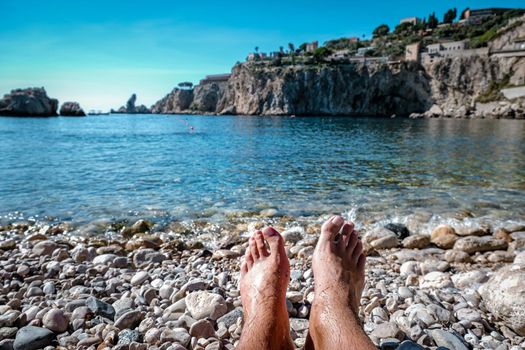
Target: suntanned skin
{"x": 338, "y": 265}
{"x": 265, "y": 274}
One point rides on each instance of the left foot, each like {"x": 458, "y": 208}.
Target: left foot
{"x": 265, "y": 274}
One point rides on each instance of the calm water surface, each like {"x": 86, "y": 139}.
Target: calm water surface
{"x": 83, "y": 169}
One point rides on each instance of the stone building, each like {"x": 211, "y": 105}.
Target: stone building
{"x": 412, "y": 20}
{"x": 311, "y": 47}
{"x": 412, "y": 52}
{"x": 215, "y": 78}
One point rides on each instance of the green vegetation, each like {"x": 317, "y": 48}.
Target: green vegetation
{"x": 321, "y": 53}
{"x": 392, "y": 43}
{"x": 450, "y": 16}
{"x": 493, "y": 92}
{"x": 381, "y": 30}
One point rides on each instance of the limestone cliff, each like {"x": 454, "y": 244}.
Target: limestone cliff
{"x": 177, "y": 101}
{"x": 461, "y": 85}
{"x": 351, "y": 89}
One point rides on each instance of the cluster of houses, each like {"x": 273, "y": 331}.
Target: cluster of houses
{"x": 514, "y": 47}
{"x": 428, "y": 54}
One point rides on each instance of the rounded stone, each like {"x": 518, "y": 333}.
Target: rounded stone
{"x": 56, "y": 320}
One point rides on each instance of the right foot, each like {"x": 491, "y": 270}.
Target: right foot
{"x": 338, "y": 265}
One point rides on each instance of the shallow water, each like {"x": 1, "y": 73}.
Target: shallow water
{"x": 82, "y": 169}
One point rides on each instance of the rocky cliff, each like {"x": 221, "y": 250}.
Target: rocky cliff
{"x": 466, "y": 86}
{"x": 351, "y": 89}
{"x": 469, "y": 86}
{"x": 205, "y": 98}
{"x": 30, "y": 102}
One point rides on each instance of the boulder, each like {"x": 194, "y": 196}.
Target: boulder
{"x": 416, "y": 242}
{"x": 203, "y": 304}
{"x": 504, "y": 296}
{"x": 475, "y": 244}
{"x": 71, "y": 109}
{"x": 32, "y": 338}
{"x": 30, "y": 102}
{"x": 400, "y": 230}
{"x": 444, "y": 236}
{"x": 130, "y": 107}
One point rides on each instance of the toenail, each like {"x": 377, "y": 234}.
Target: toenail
{"x": 338, "y": 220}
{"x": 272, "y": 232}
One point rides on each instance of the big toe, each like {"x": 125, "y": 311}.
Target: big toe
{"x": 275, "y": 241}
{"x": 330, "y": 229}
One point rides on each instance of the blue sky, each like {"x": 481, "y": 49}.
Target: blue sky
{"x": 99, "y": 52}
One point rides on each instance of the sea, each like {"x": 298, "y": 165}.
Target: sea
{"x": 177, "y": 168}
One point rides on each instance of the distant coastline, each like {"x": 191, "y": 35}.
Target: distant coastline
{"x": 421, "y": 69}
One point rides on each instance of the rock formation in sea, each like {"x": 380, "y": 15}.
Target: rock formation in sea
{"x": 71, "y": 109}
{"x": 30, "y": 102}
{"x": 131, "y": 108}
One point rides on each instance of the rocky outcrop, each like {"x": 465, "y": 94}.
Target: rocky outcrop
{"x": 71, "y": 109}
{"x": 350, "y": 89}
{"x": 30, "y": 102}
{"x": 204, "y": 98}
{"x": 131, "y": 108}
{"x": 210, "y": 97}
{"x": 177, "y": 101}
{"x": 470, "y": 86}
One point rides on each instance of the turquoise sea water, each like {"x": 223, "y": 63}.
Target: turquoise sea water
{"x": 83, "y": 169}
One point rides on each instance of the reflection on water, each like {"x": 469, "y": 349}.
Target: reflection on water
{"x": 110, "y": 166}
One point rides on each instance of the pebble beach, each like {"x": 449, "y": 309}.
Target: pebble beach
{"x": 142, "y": 286}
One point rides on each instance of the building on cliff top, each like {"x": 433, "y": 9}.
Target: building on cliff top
{"x": 476, "y": 16}
{"x": 215, "y": 78}
{"x": 412, "y": 52}
{"x": 311, "y": 47}
{"x": 412, "y": 20}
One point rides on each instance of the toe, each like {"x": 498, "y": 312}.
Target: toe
{"x": 248, "y": 259}
{"x": 253, "y": 248}
{"x": 358, "y": 250}
{"x": 330, "y": 228}
{"x": 346, "y": 232}
{"x": 352, "y": 242}
{"x": 261, "y": 245}
{"x": 275, "y": 241}
{"x": 361, "y": 264}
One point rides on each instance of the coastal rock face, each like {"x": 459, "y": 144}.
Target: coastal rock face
{"x": 208, "y": 96}
{"x": 459, "y": 83}
{"x": 71, "y": 109}
{"x": 177, "y": 101}
{"x": 352, "y": 89}
{"x": 30, "y": 102}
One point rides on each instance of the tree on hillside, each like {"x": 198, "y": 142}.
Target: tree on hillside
{"x": 186, "y": 85}
{"x": 450, "y": 16}
{"x": 321, "y": 53}
{"x": 404, "y": 27}
{"x": 291, "y": 47}
{"x": 256, "y": 49}
{"x": 381, "y": 30}
{"x": 302, "y": 47}
{"x": 433, "y": 21}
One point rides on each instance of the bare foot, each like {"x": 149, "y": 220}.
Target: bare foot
{"x": 265, "y": 274}
{"x": 338, "y": 265}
